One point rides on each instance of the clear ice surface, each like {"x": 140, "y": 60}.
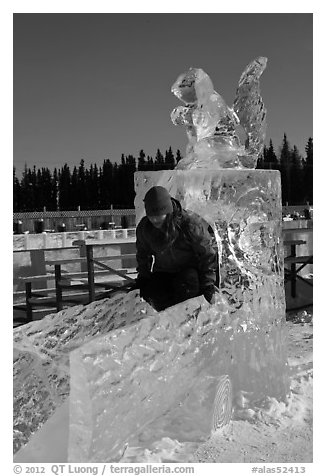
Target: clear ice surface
{"x": 214, "y": 129}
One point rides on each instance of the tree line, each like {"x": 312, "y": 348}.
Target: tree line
{"x": 296, "y": 170}
{"x": 112, "y": 184}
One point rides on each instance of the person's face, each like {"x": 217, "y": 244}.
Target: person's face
{"x": 157, "y": 221}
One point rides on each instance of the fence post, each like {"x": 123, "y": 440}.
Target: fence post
{"x": 58, "y": 289}
{"x": 90, "y": 272}
{"x": 44, "y": 234}
{"x": 125, "y": 233}
{"x": 38, "y": 267}
{"x": 28, "y": 295}
{"x": 82, "y": 254}
{"x": 64, "y": 239}
{"x": 26, "y": 241}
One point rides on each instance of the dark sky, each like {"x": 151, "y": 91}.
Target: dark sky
{"x": 94, "y": 86}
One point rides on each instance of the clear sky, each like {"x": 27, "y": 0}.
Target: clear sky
{"x": 93, "y": 86}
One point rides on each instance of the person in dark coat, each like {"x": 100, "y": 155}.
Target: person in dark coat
{"x": 176, "y": 256}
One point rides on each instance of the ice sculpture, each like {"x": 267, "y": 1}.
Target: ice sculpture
{"x": 134, "y": 375}
{"x": 214, "y": 129}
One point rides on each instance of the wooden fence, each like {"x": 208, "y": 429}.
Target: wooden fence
{"x": 59, "y": 288}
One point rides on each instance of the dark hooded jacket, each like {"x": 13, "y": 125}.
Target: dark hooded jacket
{"x": 194, "y": 247}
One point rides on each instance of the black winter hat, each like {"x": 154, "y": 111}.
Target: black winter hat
{"x": 158, "y": 202}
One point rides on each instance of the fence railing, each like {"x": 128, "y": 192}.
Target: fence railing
{"x": 94, "y": 280}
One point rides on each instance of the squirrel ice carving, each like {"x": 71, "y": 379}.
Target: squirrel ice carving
{"x": 220, "y": 136}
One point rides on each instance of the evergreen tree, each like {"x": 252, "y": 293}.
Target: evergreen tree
{"x": 169, "y": 161}
{"x": 285, "y": 169}
{"x": 87, "y": 199}
{"x": 131, "y": 169}
{"x": 106, "y": 184}
{"x": 159, "y": 160}
{"x": 64, "y": 180}
{"x": 268, "y": 159}
{"x": 81, "y": 198}
{"x": 141, "y": 160}
{"x": 308, "y": 171}
{"x": 116, "y": 187}
{"x": 74, "y": 188}
{"x": 121, "y": 180}
{"x": 178, "y": 156}
{"x": 17, "y": 204}
{"x": 27, "y": 190}
{"x": 261, "y": 161}
{"x": 271, "y": 158}
{"x": 33, "y": 183}
{"x": 39, "y": 191}
{"x": 296, "y": 196}
{"x": 95, "y": 187}
{"x": 46, "y": 178}
{"x": 55, "y": 189}
{"x": 150, "y": 163}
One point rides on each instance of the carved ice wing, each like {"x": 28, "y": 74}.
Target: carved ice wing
{"x": 249, "y": 106}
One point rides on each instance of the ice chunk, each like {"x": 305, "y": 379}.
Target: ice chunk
{"x": 168, "y": 365}
{"x": 213, "y": 129}
{"x": 41, "y": 356}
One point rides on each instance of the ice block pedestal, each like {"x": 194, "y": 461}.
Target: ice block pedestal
{"x": 244, "y": 209}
